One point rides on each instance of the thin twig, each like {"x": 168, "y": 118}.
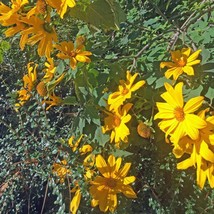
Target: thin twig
{"x": 46, "y": 191}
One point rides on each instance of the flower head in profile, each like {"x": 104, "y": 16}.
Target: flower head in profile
{"x": 182, "y": 61}
{"x": 61, "y": 170}
{"x": 116, "y": 123}
{"x": 104, "y": 189}
{"x": 68, "y": 51}
{"x": 178, "y": 119}
{"x": 53, "y": 100}
{"x": 125, "y": 90}
{"x": 201, "y": 152}
{"x": 49, "y": 70}
{"x": 61, "y": 5}
{"x": 29, "y": 82}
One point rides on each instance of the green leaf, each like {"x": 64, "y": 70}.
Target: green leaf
{"x": 121, "y": 153}
{"x": 105, "y": 14}
{"x": 101, "y": 138}
{"x": 210, "y": 94}
{"x": 70, "y": 100}
{"x": 190, "y": 93}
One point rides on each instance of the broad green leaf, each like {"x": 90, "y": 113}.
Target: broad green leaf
{"x": 71, "y": 100}
{"x": 101, "y": 138}
{"x": 105, "y": 14}
{"x": 210, "y": 94}
{"x": 121, "y": 153}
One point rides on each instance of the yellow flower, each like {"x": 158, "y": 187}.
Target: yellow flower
{"x": 201, "y": 153}
{"x": 41, "y": 31}
{"x": 125, "y": 90}
{"x": 61, "y": 5}
{"x": 75, "y": 202}
{"x": 61, "y": 170}
{"x": 40, "y": 8}
{"x": 68, "y": 51}
{"x": 49, "y": 70}
{"x": 116, "y": 121}
{"x": 182, "y": 61}
{"x": 7, "y": 12}
{"x": 53, "y": 101}
{"x": 12, "y": 17}
{"x": 75, "y": 145}
{"x": 104, "y": 189}
{"x": 178, "y": 118}
{"x": 29, "y": 83}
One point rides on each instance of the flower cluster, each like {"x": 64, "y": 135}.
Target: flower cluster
{"x": 103, "y": 189}
{"x": 190, "y": 133}
{"x": 35, "y": 26}
{"x": 117, "y": 111}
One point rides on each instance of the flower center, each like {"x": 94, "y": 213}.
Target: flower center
{"x": 72, "y": 54}
{"x": 125, "y": 91}
{"x": 111, "y": 183}
{"x": 182, "y": 61}
{"x": 117, "y": 120}
{"x": 179, "y": 114}
{"x": 48, "y": 27}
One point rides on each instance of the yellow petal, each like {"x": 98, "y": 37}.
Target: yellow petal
{"x": 75, "y": 202}
{"x": 185, "y": 164}
{"x": 124, "y": 171}
{"x": 193, "y": 56}
{"x": 128, "y": 180}
{"x": 188, "y": 70}
{"x": 206, "y": 153}
{"x": 129, "y": 192}
{"x": 193, "y": 104}
{"x": 102, "y": 166}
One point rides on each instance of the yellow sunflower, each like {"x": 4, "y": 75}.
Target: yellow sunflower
{"x": 39, "y": 31}
{"x": 125, "y": 90}
{"x": 182, "y": 61}
{"x": 29, "y": 82}
{"x": 68, "y": 51}
{"x": 61, "y": 170}
{"x": 104, "y": 189}
{"x": 116, "y": 122}
{"x": 61, "y": 5}
{"x": 178, "y": 119}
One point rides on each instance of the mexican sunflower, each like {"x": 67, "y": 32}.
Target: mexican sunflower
{"x": 61, "y": 170}
{"x": 125, "y": 90}
{"x": 39, "y": 31}
{"x": 104, "y": 189}
{"x": 201, "y": 153}
{"x": 61, "y": 5}
{"x": 52, "y": 101}
{"x": 116, "y": 122}
{"x": 11, "y": 17}
{"x": 178, "y": 119}
{"x": 6, "y": 12}
{"x": 182, "y": 61}
{"x": 68, "y": 51}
